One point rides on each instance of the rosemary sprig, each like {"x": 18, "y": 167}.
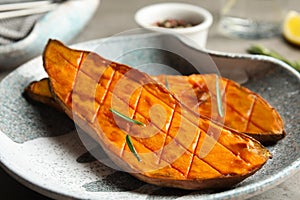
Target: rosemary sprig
{"x": 260, "y": 50}
{"x": 219, "y": 98}
{"x": 167, "y": 82}
{"x": 125, "y": 117}
{"x": 131, "y": 147}
{"x": 128, "y": 139}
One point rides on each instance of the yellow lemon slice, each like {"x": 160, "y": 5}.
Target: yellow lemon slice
{"x": 291, "y": 27}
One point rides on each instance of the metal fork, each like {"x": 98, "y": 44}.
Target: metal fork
{"x": 12, "y": 10}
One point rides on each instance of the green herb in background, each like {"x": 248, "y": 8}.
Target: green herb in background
{"x": 260, "y": 50}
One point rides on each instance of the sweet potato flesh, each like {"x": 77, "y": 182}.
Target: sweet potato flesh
{"x": 244, "y": 111}
{"x": 177, "y": 147}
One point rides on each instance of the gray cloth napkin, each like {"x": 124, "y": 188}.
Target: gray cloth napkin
{"x": 14, "y": 29}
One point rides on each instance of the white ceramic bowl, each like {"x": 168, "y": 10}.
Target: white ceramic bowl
{"x": 147, "y": 17}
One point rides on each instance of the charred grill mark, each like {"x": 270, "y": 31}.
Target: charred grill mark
{"x": 156, "y": 153}
{"x": 249, "y": 121}
{"x": 251, "y": 111}
{"x": 194, "y": 152}
{"x": 134, "y": 112}
{"x": 167, "y": 134}
{"x": 81, "y": 60}
{"x": 104, "y": 96}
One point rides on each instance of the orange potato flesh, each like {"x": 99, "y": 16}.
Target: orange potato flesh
{"x": 178, "y": 148}
{"x": 40, "y": 91}
{"x": 245, "y": 111}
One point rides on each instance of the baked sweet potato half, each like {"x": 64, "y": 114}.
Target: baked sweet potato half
{"x": 144, "y": 128}
{"x": 244, "y": 110}
{"x": 39, "y": 91}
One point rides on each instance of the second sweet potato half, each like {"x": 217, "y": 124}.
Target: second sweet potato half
{"x": 144, "y": 128}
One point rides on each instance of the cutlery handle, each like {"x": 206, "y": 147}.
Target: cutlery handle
{"x": 28, "y": 11}
{"x": 23, "y": 5}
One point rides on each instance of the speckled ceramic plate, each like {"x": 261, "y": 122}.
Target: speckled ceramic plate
{"x": 40, "y": 147}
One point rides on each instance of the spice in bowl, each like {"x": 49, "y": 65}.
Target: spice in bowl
{"x": 190, "y": 23}
{"x": 175, "y": 23}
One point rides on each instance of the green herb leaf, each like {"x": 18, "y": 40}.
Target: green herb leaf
{"x": 260, "y": 50}
{"x": 131, "y": 147}
{"x": 219, "y": 97}
{"x": 125, "y": 117}
{"x": 167, "y": 82}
